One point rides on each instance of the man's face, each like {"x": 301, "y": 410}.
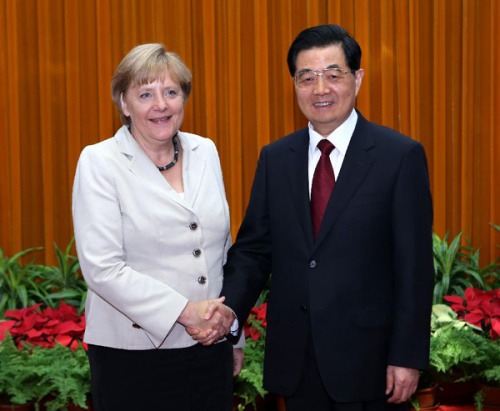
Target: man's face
{"x": 325, "y": 105}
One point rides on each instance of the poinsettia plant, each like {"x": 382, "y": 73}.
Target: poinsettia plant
{"x": 256, "y": 322}
{"x": 248, "y": 385}
{"x": 479, "y": 308}
{"x": 44, "y": 327}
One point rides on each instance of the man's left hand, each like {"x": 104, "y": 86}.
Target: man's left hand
{"x": 238, "y": 358}
{"x": 402, "y": 382}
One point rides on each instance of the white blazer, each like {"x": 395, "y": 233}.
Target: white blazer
{"x": 144, "y": 250}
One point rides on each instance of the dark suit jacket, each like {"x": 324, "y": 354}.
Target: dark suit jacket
{"x": 363, "y": 289}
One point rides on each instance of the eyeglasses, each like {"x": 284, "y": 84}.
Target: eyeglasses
{"x": 309, "y": 78}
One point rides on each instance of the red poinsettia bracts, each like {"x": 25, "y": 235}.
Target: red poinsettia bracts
{"x": 479, "y": 308}
{"x": 257, "y": 316}
{"x": 44, "y": 327}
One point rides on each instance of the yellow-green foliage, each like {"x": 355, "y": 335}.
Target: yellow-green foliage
{"x": 35, "y": 373}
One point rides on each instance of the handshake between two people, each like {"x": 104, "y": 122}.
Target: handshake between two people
{"x": 207, "y": 321}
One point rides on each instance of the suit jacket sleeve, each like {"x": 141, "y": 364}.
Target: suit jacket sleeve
{"x": 413, "y": 263}
{"x": 249, "y": 260}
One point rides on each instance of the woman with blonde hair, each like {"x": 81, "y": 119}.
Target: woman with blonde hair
{"x": 152, "y": 231}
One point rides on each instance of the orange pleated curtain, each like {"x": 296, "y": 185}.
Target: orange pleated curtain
{"x": 432, "y": 72}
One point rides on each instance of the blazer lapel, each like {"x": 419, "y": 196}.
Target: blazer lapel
{"x": 141, "y": 165}
{"x": 299, "y": 182}
{"x": 358, "y": 160}
{"x": 193, "y": 168}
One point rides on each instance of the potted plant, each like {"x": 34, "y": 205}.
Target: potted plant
{"x": 489, "y": 378}
{"x": 22, "y": 285}
{"x": 64, "y": 376}
{"x": 44, "y": 328}
{"x": 456, "y": 268}
{"x": 56, "y": 376}
{"x": 17, "y": 281}
{"x": 18, "y": 379}
{"x": 248, "y": 384}
{"x": 455, "y": 356}
{"x": 48, "y": 344}
{"x": 482, "y": 309}
{"x": 63, "y": 281}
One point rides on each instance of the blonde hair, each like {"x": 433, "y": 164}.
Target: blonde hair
{"x": 145, "y": 64}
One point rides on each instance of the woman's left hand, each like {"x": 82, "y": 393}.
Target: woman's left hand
{"x": 238, "y": 357}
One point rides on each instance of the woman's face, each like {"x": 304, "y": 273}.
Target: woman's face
{"x": 156, "y": 110}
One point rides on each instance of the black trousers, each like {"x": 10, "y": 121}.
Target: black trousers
{"x": 311, "y": 394}
{"x": 197, "y": 378}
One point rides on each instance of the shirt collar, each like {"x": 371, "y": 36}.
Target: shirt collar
{"x": 340, "y": 137}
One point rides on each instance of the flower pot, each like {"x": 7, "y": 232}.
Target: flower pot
{"x": 280, "y": 404}
{"x": 491, "y": 396}
{"x": 454, "y": 393}
{"x": 427, "y": 397}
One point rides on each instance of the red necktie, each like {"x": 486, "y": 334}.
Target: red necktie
{"x": 322, "y": 185}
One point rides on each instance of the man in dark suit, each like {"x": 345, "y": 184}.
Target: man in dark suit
{"x": 346, "y": 231}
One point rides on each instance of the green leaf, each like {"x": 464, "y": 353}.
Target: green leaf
{"x": 457, "y": 268}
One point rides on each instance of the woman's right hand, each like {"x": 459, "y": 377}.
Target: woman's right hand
{"x": 207, "y": 321}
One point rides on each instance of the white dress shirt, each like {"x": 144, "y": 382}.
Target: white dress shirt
{"x": 340, "y": 138}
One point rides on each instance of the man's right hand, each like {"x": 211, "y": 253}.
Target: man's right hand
{"x": 207, "y": 321}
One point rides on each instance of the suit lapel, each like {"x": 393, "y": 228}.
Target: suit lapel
{"x": 358, "y": 160}
{"x": 297, "y": 172}
{"x": 141, "y": 165}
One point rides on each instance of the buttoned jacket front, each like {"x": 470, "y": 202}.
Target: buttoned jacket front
{"x": 361, "y": 291}
{"x": 145, "y": 250}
